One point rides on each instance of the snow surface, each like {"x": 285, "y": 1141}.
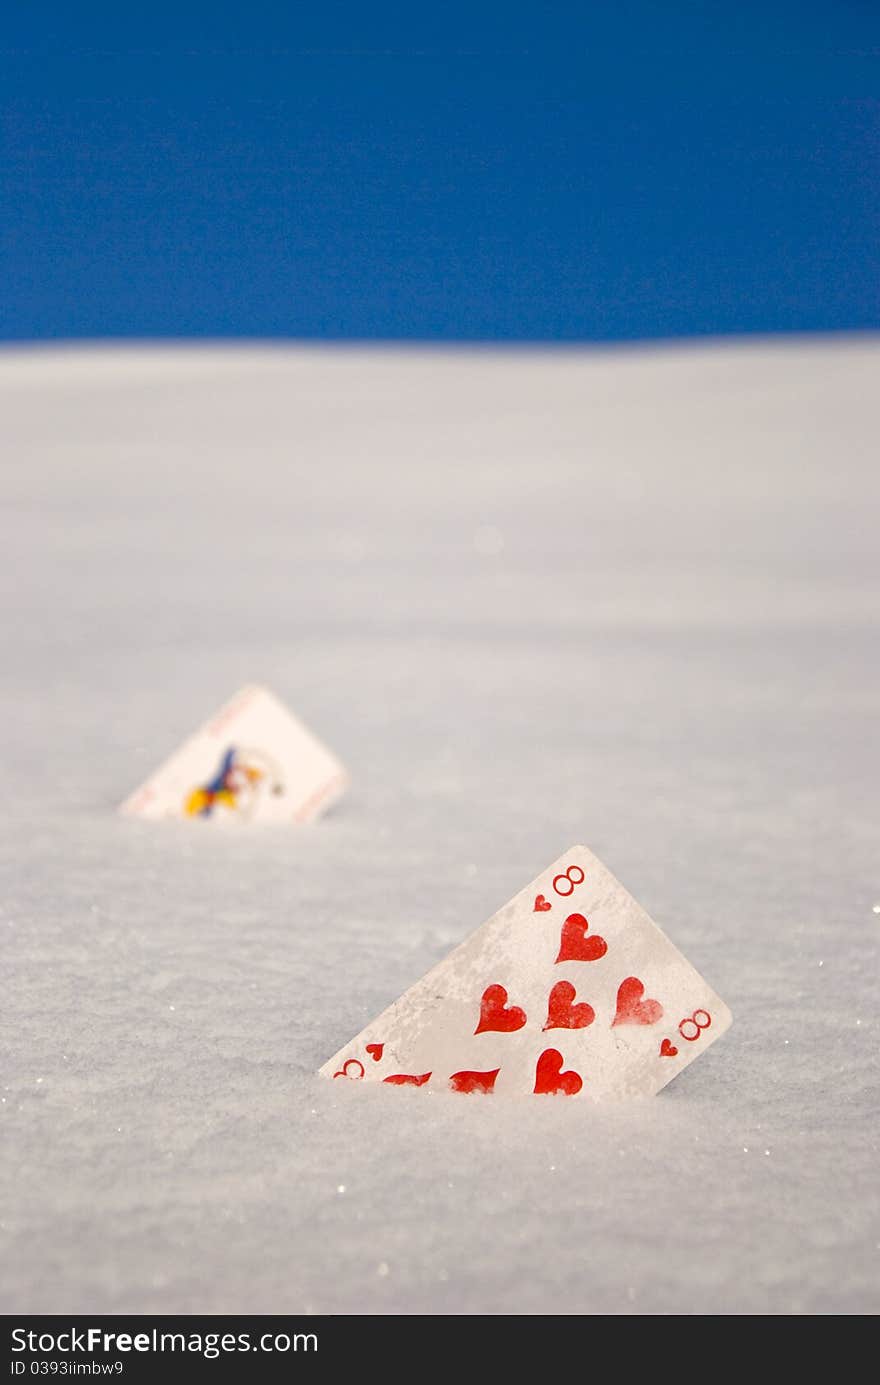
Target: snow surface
{"x": 624, "y": 597}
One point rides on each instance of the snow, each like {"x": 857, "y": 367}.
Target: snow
{"x": 623, "y": 597}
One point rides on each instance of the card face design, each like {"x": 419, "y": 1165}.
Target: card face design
{"x": 571, "y": 989}
{"x": 252, "y": 762}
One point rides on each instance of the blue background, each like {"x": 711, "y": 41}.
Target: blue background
{"x": 563, "y": 173}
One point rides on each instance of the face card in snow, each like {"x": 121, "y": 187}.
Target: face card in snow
{"x": 252, "y": 762}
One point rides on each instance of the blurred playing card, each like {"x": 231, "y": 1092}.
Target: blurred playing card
{"x": 254, "y": 761}
{"x": 569, "y": 989}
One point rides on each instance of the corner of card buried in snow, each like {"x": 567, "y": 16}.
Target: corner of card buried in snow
{"x": 571, "y": 989}
{"x": 254, "y": 761}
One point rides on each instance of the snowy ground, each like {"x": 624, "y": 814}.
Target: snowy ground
{"x": 627, "y": 598}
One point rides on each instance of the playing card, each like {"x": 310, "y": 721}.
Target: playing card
{"x": 569, "y": 989}
{"x": 252, "y": 762}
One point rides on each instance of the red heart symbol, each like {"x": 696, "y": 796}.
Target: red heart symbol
{"x": 541, "y": 904}
{"x": 549, "y": 1076}
{"x": 631, "y": 1009}
{"x": 375, "y": 1051}
{"x": 562, "y": 1013}
{"x": 494, "y": 1015}
{"x": 474, "y": 1081}
{"x": 406, "y": 1079}
{"x": 575, "y": 946}
{"x": 667, "y": 1050}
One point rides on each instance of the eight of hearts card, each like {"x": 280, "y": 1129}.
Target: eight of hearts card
{"x": 252, "y": 762}
{"x": 570, "y": 989}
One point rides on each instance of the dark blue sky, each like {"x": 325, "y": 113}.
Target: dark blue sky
{"x": 490, "y": 172}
